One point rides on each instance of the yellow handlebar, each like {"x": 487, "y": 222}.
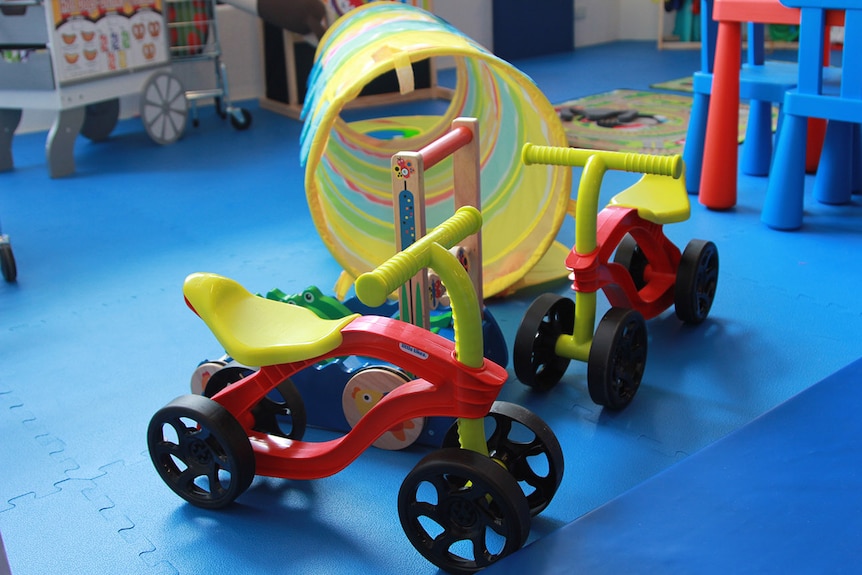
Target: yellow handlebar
{"x": 373, "y": 287}
{"x": 623, "y": 161}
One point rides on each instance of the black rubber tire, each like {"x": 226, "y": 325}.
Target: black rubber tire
{"x": 535, "y": 362}
{"x": 520, "y": 439}
{"x": 7, "y": 263}
{"x": 281, "y": 413}
{"x": 473, "y": 494}
{"x": 617, "y": 358}
{"x": 696, "y": 281}
{"x": 630, "y": 256}
{"x": 206, "y": 459}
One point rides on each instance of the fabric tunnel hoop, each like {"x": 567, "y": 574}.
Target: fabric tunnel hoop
{"x": 347, "y": 168}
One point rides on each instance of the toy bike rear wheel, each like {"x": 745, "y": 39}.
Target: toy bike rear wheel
{"x": 534, "y": 359}
{"x": 630, "y": 256}
{"x": 617, "y": 358}
{"x": 462, "y": 511}
{"x": 526, "y": 446}
{"x": 281, "y": 413}
{"x": 200, "y": 451}
{"x": 696, "y": 281}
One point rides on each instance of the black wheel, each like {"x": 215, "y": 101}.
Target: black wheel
{"x": 535, "y": 362}
{"x": 630, "y": 256}
{"x": 201, "y": 451}
{"x": 462, "y": 511}
{"x": 696, "y": 280}
{"x": 240, "y": 118}
{"x": 280, "y": 413}
{"x": 100, "y": 119}
{"x": 7, "y": 261}
{"x": 526, "y": 446}
{"x": 617, "y": 358}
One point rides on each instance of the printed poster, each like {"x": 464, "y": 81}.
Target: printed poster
{"x": 93, "y": 38}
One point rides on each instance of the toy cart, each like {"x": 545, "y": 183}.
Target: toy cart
{"x": 78, "y": 58}
{"x": 193, "y": 36}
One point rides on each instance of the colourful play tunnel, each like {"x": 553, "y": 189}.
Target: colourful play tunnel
{"x": 347, "y": 165}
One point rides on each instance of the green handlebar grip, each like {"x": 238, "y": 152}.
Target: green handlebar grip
{"x": 374, "y": 287}
{"x": 628, "y": 162}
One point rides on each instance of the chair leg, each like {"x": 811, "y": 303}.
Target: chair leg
{"x": 695, "y": 137}
{"x": 857, "y": 154}
{"x": 757, "y": 148}
{"x": 783, "y": 204}
{"x": 834, "y": 179}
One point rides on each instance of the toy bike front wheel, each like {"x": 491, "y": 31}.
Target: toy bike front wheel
{"x": 525, "y": 445}
{"x": 534, "y": 359}
{"x": 617, "y": 358}
{"x": 201, "y": 451}
{"x": 462, "y": 511}
{"x": 696, "y": 280}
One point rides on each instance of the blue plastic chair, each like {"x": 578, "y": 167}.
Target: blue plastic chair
{"x": 839, "y": 172}
{"x": 761, "y": 82}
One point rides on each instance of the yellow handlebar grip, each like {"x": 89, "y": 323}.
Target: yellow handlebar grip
{"x": 373, "y": 287}
{"x": 628, "y": 162}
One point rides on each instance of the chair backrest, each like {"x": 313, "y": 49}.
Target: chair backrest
{"x": 709, "y": 32}
{"x": 845, "y": 103}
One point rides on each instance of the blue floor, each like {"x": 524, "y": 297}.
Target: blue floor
{"x": 96, "y": 337}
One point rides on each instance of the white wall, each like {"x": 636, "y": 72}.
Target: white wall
{"x": 638, "y": 19}
{"x": 599, "y": 21}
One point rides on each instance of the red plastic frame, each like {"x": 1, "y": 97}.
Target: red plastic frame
{"x": 444, "y": 387}
{"x": 596, "y": 271}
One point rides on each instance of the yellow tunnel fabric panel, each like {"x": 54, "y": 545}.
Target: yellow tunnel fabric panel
{"x": 347, "y": 174}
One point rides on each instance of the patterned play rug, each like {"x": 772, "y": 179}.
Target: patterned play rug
{"x": 632, "y": 121}
{"x": 679, "y": 85}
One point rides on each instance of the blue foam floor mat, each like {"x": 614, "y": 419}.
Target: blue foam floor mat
{"x": 780, "y": 495}
{"x": 96, "y": 337}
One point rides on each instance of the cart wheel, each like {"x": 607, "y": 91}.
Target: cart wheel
{"x": 696, "y": 280}
{"x": 240, "y": 118}
{"x": 100, "y": 119}
{"x": 7, "y": 260}
{"x": 462, "y": 511}
{"x": 535, "y": 362}
{"x": 526, "y": 446}
{"x": 617, "y": 358}
{"x": 365, "y": 389}
{"x": 280, "y": 413}
{"x": 164, "y": 108}
{"x": 630, "y": 256}
{"x": 201, "y": 451}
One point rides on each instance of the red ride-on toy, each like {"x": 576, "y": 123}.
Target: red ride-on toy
{"x": 463, "y": 506}
{"x": 647, "y": 275}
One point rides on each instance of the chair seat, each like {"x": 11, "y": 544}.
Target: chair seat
{"x": 766, "y": 82}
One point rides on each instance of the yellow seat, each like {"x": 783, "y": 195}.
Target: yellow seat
{"x": 659, "y": 199}
{"x": 256, "y": 331}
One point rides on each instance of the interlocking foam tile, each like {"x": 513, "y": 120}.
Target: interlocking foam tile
{"x": 75, "y": 530}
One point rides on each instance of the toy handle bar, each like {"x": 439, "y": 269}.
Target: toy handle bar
{"x": 373, "y": 287}
{"x": 445, "y": 145}
{"x": 623, "y": 161}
